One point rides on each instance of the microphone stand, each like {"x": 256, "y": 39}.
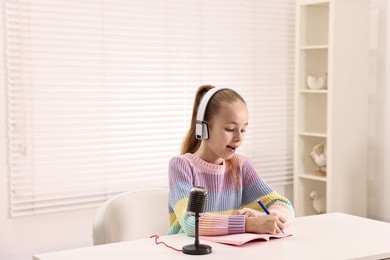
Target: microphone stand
{"x": 196, "y": 248}
{"x": 197, "y": 229}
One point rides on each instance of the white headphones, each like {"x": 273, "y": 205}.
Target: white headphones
{"x": 202, "y": 130}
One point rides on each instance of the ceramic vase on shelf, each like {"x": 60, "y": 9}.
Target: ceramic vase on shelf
{"x": 317, "y": 83}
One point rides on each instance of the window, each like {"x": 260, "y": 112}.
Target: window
{"x": 99, "y": 93}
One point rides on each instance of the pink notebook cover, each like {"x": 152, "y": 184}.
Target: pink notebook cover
{"x": 240, "y": 239}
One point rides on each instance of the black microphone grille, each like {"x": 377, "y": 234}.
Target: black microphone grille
{"x": 197, "y": 201}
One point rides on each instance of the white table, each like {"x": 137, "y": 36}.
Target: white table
{"x": 328, "y": 236}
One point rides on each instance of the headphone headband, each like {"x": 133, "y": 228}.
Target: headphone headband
{"x": 201, "y": 131}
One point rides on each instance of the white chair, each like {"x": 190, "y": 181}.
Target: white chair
{"x": 132, "y": 215}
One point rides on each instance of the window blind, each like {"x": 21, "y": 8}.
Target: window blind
{"x": 100, "y": 93}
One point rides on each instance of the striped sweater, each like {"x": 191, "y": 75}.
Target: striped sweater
{"x": 224, "y": 198}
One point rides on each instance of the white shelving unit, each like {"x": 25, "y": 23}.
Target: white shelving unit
{"x": 332, "y": 40}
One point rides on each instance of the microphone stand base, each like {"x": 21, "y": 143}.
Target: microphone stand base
{"x": 200, "y": 250}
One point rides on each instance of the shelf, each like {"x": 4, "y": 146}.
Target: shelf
{"x": 314, "y": 47}
{"x": 313, "y": 177}
{"x": 313, "y": 134}
{"x": 313, "y": 113}
{"x": 330, "y": 106}
{"x": 306, "y": 186}
{"x": 314, "y": 62}
{"x": 314, "y": 2}
{"x": 314, "y": 24}
{"x": 310, "y": 91}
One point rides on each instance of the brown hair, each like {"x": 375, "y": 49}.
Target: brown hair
{"x": 190, "y": 143}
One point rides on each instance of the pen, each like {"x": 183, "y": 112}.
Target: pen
{"x": 265, "y": 209}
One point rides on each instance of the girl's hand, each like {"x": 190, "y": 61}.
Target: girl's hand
{"x": 248, "y": 212}
{"x": 270, "y": 224}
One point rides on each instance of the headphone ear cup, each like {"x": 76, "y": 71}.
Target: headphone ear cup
{"x": 201, "y": 131}
{"x": 205, "y": 131}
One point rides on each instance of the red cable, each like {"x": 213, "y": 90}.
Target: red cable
{"x": 156, "y": 237}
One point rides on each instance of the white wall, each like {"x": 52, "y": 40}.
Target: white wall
{"x": 384, "y": 188}
{"x": 379, "y": 113}
{"x": 386, "y": 129}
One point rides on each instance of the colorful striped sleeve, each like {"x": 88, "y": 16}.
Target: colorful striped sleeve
{"x": 255, "y": 188}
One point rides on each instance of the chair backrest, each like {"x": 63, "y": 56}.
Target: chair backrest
{"x": 132, "y": 215}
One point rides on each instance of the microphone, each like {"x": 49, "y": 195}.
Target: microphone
{"x": 197, "y": 202}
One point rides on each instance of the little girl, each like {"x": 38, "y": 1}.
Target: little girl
{"x": 231, "y": 180}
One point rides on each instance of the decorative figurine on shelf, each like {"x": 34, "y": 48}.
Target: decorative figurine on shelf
{"x": 317, "y": 83}
{"x": 318, "y": 155}
{"x": 319, "y": 204}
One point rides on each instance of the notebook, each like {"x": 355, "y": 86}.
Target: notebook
{"x": 240, "y": 239}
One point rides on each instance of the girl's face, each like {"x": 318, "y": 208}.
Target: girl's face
{"x": 226, "y": 133}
